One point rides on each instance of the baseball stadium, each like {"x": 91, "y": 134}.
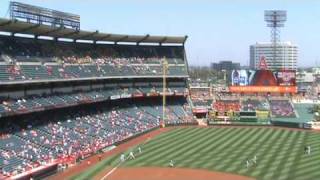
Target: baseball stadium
{"x": 80, "y": 105}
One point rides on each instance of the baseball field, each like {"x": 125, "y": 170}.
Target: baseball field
{"x": 280, "y": 154}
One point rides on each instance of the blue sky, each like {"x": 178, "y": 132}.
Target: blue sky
{"x": 217, "y": 29}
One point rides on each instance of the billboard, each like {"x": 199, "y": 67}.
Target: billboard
{"x": 263, "y": 78}
{"x": 286, "y": 78}
{"x": 240, "y": 77}
{"x": 262, "y": 81}
{"x": 263, "y": 89}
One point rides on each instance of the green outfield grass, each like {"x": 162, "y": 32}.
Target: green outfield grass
{"x": 280, "y": 153}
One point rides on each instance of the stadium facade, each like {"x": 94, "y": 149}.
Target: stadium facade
{"x": 286, "y": 56}
{"x": 103, "y": 91}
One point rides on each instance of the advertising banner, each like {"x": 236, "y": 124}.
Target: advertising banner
{"x": 263, "y": 78}
{"x": 263, "y": 89}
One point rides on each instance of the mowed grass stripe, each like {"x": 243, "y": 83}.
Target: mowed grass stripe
{"x": 279, "y": 151}
{"x": 191, "y": 158}
{"x": 114, "y": 160}
{"x": 208, "y": 144}
{"x": 152, "y": 147}
{"x": 155, "y": 157}
{"x": 288, "y": 161}
{"x": 244, "y": 152}
{"x": 171, "y": 153}
{"x": 152, "y": 153}
{"x": 240, "y": 145}
{"x": 201, "y": 155}
{"x": 152, "y": 150}
{"x": 227, "y": 132}
{"x": 262, "y": 154}
{"x": 149, "y": 153}
{"x": 308, "y": 167}
{"x": 280, "y": 155}
{"x": 251, "y": 152}
{"x": 216, "y": 152}
{"x": 168, "y": 135}
{"x": 310, "y": 171}
{"x": 183, "y": 156}
{"x": 160, "y": 142}
{"x": 270, "y": 149}
{"x": 266, "y": 173}
{"x": 283, "y": 161}
{"x": 228, "y": 139}
{"x": 162, "y": 137}
{"x": 297, "y": 158}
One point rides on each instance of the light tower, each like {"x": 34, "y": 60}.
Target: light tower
{"x": 275, "y": 20}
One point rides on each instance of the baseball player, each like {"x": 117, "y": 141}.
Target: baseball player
{"x": 122, "y": 157}
{"x": 254, "y": 160}
{"x": 139, "y": 149}
{"x": 247, "y": 163}
{"x": 308, "y": 150}
{"x": 305, "y": 149}
{"x": 131, "y": 155}
{"x": 171, "y": 163}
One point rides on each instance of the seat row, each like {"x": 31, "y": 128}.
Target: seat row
{"x": 34, "y": 142}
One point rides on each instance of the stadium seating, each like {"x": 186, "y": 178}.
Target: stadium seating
{"x": 227, "y": 105}
{"x": 63, "y": 122}
{"x": 282, "y": 108}
{"x": 41, "y": 140}
{"x": 30, "y": 60}
{"x": 252, "y": 104}
{"x": 51, "y": 72}
{"x": 35, "y": 103}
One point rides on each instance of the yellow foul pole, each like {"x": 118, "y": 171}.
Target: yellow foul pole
{"x": 164, "y": 70}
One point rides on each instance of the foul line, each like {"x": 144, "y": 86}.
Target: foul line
{"x": 110, "y": 172}
{"x": 115, "y": 168}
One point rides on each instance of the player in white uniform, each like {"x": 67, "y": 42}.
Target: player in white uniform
{"x": 122, "y": 157}
{"x": 309, "y": 150}
{"x": 171, "y": 163}
{"x": 254, "y": 160}
{"x": 131, "y": 155}
{"x": 247, "y": 163}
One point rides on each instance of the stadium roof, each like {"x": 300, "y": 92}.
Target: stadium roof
{"x": 15, "y": 26}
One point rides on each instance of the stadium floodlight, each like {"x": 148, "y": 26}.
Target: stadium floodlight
{"x": 275, "y": 19}
{"x": 40, "y": 15}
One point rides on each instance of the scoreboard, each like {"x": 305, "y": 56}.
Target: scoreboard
{"x": 259, "y": 81}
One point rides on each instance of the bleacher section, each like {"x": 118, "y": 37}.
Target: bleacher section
{"x": 58, "y": 72}
{"x": 254, "y": 104}
{"x": 37, "y": 141}
{"x": 302, "y": 116}
{"x": 282, "y": 108}
{"x": 40, "y": 103}
{"x": 63, "y": 101}
{"x": 31, "y": 60}
{"x": 227, "y": 105}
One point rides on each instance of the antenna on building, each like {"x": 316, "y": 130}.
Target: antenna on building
{"x": 275, "y": 20}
